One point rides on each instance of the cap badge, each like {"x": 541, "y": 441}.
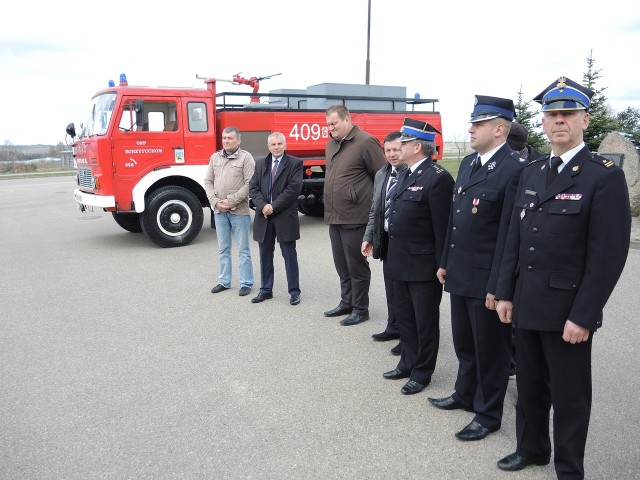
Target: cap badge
{"x": 562, "y": 82}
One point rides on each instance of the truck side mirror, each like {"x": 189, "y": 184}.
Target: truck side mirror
{"x": 71, "y": 130}
{"x": 138, "y": 107}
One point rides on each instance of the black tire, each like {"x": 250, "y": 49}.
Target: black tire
{"x": 129, "y": 221}
{"x": 172, "y": 217}
{"x": 315, "y": 210}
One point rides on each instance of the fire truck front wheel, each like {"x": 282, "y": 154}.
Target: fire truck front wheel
{"x": 173, "y": 217}
{"x": 129, "y": 221}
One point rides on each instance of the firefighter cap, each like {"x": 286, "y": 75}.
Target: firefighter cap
{"x": 417, "y": 130}
{"x": 486, "y": 108}
{"x": 564, "y": 94}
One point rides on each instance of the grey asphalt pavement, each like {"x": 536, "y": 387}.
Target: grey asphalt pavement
{"x": 116, "y": 362}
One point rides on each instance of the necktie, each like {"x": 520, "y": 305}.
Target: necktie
{"x": 273, "y": 177}
{"x": 553, "y": 171}
{"x": 476, "y": 165}
{"x": 274, "y": 170}
{"x": 393, "y": 183}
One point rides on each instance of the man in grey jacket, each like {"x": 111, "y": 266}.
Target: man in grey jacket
{"x": 227, "y": 186}
{"x": 353, "y": 158}
{"x": 376, "y": 238}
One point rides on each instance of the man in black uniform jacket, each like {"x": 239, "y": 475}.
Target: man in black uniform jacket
{"x": 566, "y": 248}
{"x": 417, "y": 227}
{"x": 478, "y": 224}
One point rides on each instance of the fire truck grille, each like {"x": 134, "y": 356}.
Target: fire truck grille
{"x": 85, "y": 179}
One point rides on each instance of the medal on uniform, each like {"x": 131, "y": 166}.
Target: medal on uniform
{"x": 474, "y": 210}
{"x": 522, "y": 214}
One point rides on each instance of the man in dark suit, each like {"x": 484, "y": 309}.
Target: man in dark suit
{"x": 376, "y": 238}
{"x": 566, "y": 248}
{"x": 482, "y": 203}
{"x": 417, "y": 227}
{"x": 274, "y": 188}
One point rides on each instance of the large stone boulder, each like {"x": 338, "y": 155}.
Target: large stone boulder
{"x": 616, "y": 143}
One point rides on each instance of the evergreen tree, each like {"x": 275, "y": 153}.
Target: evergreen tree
{"x": 526, "y": 118}
{"x": 629, "y": 121}
{"x": 602, "y": 121}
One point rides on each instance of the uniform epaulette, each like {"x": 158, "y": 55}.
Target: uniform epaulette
{"x": 437, "y": 168}
{"x": 517, "y": 157}
{"x": 538, "y": 160}
{"x": 605, "y": 162}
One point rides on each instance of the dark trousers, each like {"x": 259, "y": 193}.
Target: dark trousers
{"x": 483, "y": 346}
{"x": 288, "y": 250}
{"x": 417, "y": 309}
{"x": 389, "y": 288}
{"x": 552, "y": 372}
{"x": 352, "y": 267}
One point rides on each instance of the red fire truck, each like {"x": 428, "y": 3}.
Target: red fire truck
{"x": 143, "y": 152}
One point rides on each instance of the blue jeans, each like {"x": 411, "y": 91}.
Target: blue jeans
{"x": 226, "y": 223}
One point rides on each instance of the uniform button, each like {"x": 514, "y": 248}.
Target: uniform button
{"x": 464, "y": 193}
{"x": 540, "y": 210}
{"x": 452, "y": 245}
{"x": 532, "y": 249}
{"x": 454, "y": 228}
{"x": 529, "y": 267}
{"x": 483, "y": 194}
{"x": 573, "y": 286}
{"x": 564, "y": 210}
{"x": 458, "y": 211}
{"x": 535, "y": 229}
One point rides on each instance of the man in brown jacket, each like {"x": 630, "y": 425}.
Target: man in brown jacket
{"x": 353, "y": 158}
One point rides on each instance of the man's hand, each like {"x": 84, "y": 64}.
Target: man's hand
{"x": 442, "y": 275}
{"x": 366, "y": 249}
{"x": 574, "y": 333}
{"x": 267, "y": 210}
{"x": 223, "y": 205}
{"x": 490, "y": 301}
{"x": 505, "y": 311}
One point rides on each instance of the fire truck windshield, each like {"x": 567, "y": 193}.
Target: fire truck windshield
{"x": 101, "y": 112}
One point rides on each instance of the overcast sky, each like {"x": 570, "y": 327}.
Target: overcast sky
{"x": 55, "y": 55}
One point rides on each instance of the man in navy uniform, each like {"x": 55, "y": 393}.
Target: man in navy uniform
{"x": 478, "y": 224}
{"x": 566, "y": 248}
{"x": 417, "y": 227}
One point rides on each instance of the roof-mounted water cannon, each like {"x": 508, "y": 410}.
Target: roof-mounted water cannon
{"x": 253, "y": 82}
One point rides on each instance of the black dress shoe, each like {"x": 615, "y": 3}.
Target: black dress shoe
{"x": 412, "y": 387}
{"x": 515, "y": 462}
{"x": 449, "y": 403}
{"x": 395, "y": 374}
{"x": 295, "y": 299}
{"x": 219, "y": 288}
{"x": 397, "y": 350}
{"x": 261, "y": 297}
{"x": 244, "y": 291}
{"x": 354, "y": 319}
{"x": 338, "y": 311}
{"x": 384, "y": 336}
{"x": 474, "y": 431}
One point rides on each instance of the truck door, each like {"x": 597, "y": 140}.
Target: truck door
{"x": 148, "y": 136}
{"x": 199, "y": 130}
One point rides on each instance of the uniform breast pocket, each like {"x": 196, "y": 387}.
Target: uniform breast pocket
{"x": 563, "y": 217}
{"x": 411, "y": 196}
{"x": 485, "y": 194}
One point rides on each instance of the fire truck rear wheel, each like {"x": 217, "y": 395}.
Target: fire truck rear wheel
{"x": 316, "y": 210}
{"x": 129, "y": 221}
{"x": 173, "y": 217}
